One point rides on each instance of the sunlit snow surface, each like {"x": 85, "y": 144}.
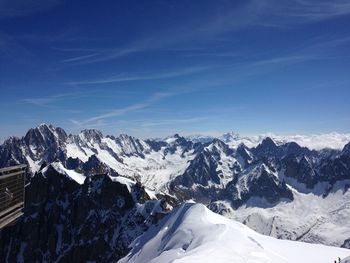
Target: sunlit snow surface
{"x": 309, "y": 217}
{"x": 154, "y": 169}
{"x": 192, "y": 233}
{"x": 79, "y": 178}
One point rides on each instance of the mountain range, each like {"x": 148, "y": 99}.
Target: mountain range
{"x": 271, "y": 184}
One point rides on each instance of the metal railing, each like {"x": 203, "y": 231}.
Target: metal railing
{"x": 12, "y": 194}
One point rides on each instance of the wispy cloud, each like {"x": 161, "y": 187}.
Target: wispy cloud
{"x": 289, "y": 13}
{"x": 282, "y": 60}
{"x": 53, "y": 101}
{"x": 313, "y": 10}
{"x": 214, "y": 54}
{"x": 49, "y": 100}
{"x": 59, "y": 102}
{"x": 330, "y": 44}
{"x": 224, "y": 18}
{"x": 125, "y": 77}
{"x": 107, "y": 54}
{"x": 144, "y": 123}
{"x": 17, "y": 8}
{"x": 166, "y": 122}
{"x": 14, "y": 50}
{"x": 79, "y": 58}
{"x": 103, "y": 54}
{"x": 122, "y": 111}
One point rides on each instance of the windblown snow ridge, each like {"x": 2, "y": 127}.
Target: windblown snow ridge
{"x": 192, "y": 233}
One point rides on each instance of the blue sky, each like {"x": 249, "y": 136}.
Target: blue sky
{"x": 154, "y": 68}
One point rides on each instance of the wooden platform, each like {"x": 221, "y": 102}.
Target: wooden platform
{"x": 12, "y": 180}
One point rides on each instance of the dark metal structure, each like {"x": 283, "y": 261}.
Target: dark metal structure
{"x": 12, "y": 184}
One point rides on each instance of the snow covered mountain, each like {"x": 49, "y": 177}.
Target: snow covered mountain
{"x": 192, "y": 233}
{"x": 331, "y": 140}
{"x": 70, "y": 218}
{"x": 265, "y": 183}
{"x": 152, "y": 162}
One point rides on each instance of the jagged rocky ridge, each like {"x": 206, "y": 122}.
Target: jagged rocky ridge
{"x": 73, "y": 221}
{"x": 212, "y": 172}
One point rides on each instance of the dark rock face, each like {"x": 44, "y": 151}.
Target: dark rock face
{"x": 292, "y": 148}
{"x": 201, "y": 171}
{"x": 346, "y": 244}
{"x": 179, "y": 141}
{"x": 220, "y": 208}
{"x": 336, "y": 169}
{"x": 11, "y": 153}
{"x": 300, "y": 169}
{"x": 311, "y": 169}
{"x": 73, "y": 163}
{"x": 43, "y": 144}
{"x": 67, "y": 222}
{"x": 92, "y": 135}
{"x": 244, "y": 153}
{"x": 130, "y": 145}
{"x": 346, "y": 149}
{"x": 94, "y": 165}
{"x": 268, "y": 187}
{"x": 203, "y": 168}
{"x": 45, "y": 136}
{"x": 156, "y": 145}
{"x": 267, "y": 149}
{"x": 46, "y": 141}
{"x": 261, "y": 183}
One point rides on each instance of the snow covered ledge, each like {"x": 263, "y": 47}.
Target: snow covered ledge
{"x": 192, "y": 233}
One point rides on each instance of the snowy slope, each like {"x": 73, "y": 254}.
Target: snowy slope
{"x": 226, "y": 162}
{"x": 79, "y": 178}
{"x": 132, "y": 157}
{"x": 309, "y": 217}
{"x": 192, "y": 233}
{"x": 157, "y": 168}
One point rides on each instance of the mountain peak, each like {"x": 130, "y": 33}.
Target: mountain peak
{"x": 91, "y": 134}
{"x": 50, "y": 129}
{"x": 267, "y": 147}
{"x": 218, "y": 143}
{"x": 44, "y": 128}
{"x": 267, "y": 141}
{"x": 176, "y": 138}
{"x": 229, "y": 136}
{"x": 126, "y": 139}
{"x": 124, "y": 136}
{"x": 43, "y": 124}
{"x": 176, "y": 135}
{"x": 45, "y": 134}
{"x": 346, "y": 149}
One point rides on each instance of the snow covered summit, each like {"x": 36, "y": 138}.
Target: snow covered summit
{"x": 192, "y": 233}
